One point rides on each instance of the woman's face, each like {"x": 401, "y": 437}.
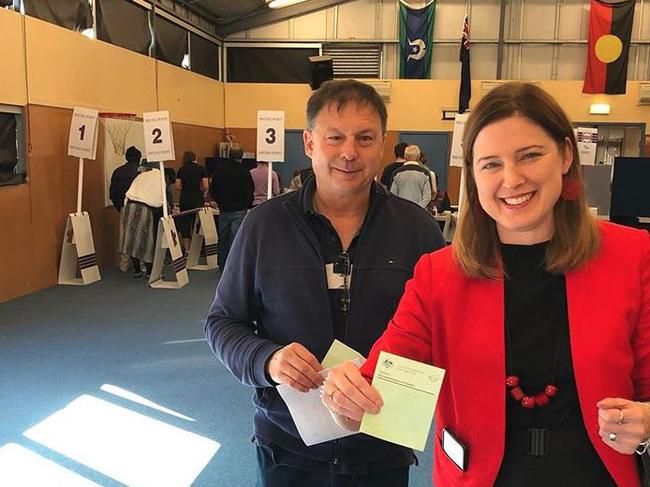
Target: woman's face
{"x": 518, "y": 171}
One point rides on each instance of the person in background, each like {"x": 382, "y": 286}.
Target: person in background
{"x": 327, "y": 261}
{"x": 121, "y": 180}
{"x": 539, "y": 313}
{"x": 192, "y": 182}
{"x": 139, "y": 220}
{"x": 387, "y": 174}
{"x": 412, "y": 181}
{"x": 260, "y": 176}
{"x": 232, "y": 190}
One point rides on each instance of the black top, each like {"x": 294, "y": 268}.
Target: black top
{"x": 121, "y": 180}
{"x": 232, "y": 187}
{"x": 537, "y": 330}
{"x": 389, "y": 171}
{"x": 339, "y": 262}
{"x": 191, "y": 175}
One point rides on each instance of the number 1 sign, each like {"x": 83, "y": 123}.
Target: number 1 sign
{"x": 82, "y": 141}
{"x": 270, "y": 136}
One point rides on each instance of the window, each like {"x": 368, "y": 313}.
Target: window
{"x": 269, "y": 64}
{"x": 171, "y": 42}
{"x": 124, "y": 24}
{"x": 204, "y": 56}
{"x": 13, "y": 167}
{"x": 71, "y": 14}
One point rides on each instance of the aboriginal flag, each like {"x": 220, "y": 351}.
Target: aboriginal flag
{"x": 610, "y": 29}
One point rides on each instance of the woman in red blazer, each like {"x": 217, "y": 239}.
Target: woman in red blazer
{"x": 539, "y": 314}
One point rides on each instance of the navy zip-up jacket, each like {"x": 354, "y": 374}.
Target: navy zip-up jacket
{"x": 273, "y": 292}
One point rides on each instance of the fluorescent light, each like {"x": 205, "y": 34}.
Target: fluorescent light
{"x": 283, "y": 3}
{"x": 599, "y": 108}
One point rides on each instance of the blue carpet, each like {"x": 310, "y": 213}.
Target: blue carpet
{"x": 67, "y": 341}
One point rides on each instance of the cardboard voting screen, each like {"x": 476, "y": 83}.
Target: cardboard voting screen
{"x": 78, "y": 260}
{"x": 169, "y": 271}
{"x": 203, "y": 246}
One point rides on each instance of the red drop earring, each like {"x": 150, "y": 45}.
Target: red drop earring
{"x": 570, "y": 189}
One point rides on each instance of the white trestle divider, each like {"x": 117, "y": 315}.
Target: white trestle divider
{"x": 159, "y": 145}
{"x": 78, "y": 264}
{"x": 202, "y": 255}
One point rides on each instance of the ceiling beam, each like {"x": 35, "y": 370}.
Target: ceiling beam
{"x": 270, "y": 16}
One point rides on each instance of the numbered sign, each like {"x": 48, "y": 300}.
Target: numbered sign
{"x": 587, "y": 139}
{"x": 169, "y": 271}
{"x": 456, "y": 158}
{"x": 203, "y": 246}
{"x": 78, "y": 260}
{"x": 158, "y": 138}
{"x": 270, "y": 136}
{"x": 82, "y": 140}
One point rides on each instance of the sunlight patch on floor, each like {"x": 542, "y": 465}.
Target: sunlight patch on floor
{"x": 131, "y": 396}
{"x": 20, "y": 467}
{"x": 126, "y": 446}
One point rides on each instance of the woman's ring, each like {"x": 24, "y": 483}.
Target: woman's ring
{"x": 612, "y": 437}
{"x": 621, "y": 417}
{"x": 331, "y": 394}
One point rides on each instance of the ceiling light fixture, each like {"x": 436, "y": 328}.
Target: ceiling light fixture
{"x": 282, "y": 3}
{"x": 599, "y": 109}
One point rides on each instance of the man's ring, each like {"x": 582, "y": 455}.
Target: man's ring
{"x": 621, "y": 417}
{"x": 331, "y": 394}
{"x": 612, "y": 437}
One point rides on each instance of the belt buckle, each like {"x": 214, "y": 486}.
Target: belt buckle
{"x": 537, "y": 442}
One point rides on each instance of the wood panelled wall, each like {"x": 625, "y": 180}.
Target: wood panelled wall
{"x": 34, "y": 213}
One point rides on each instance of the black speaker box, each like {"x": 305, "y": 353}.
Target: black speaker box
{"x": 321, "y": 70}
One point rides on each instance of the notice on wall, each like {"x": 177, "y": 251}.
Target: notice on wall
{"x": 270, "y": 136}
{"x": 456, "y": 157}
{"x": 587, "y": 139}
{"x": 158, "y": 137}
{"x": 82, "y": 140}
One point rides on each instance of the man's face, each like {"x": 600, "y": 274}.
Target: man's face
{"x": 346, "y": 148}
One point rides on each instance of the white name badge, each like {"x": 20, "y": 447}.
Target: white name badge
{"x": 158, "y": 136}
{"x": 82, "y": 140}
{"x": 270, "y": 136}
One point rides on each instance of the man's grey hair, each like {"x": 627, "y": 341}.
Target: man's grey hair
{"x": 412, "y": 153}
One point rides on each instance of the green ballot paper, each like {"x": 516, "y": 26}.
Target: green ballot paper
{"x": 410, "y": 391}
{"x": 338, "y": 353}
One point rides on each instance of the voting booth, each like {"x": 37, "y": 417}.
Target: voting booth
{"x": 202, "y": 255}
{"x": 159, "y": 145}
{"x": 78, "y": 265}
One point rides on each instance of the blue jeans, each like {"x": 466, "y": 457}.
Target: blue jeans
{"x": 229, "y": 222}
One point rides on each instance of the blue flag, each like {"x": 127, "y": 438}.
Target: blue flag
{"x": 415, "y": 35}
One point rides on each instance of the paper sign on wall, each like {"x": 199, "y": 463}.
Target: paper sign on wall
{"x": 587, "y": 139}
{"x": 456, "y": 158}
{"x": 158, "y": 137}
{"x": 82, "y": 140}
{"x": 270, "y": 136}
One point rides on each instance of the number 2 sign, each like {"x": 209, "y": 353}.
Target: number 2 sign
{"x": 158, "y": 137}
{"x": 270, "y": 136}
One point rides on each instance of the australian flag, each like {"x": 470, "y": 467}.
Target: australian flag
{"x": 465, "y": 92}
{"x": 415, "y": 33}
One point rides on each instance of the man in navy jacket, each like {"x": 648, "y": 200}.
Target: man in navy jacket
{"x": 327, "y": 261}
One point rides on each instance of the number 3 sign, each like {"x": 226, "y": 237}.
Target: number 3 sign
{"x": 270, "y": 136}
{"x": 158, "y": 137}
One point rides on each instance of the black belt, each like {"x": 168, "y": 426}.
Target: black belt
{"x": 539, "y": 442}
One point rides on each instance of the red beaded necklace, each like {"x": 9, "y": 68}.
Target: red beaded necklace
{"x": 512, "y": 381}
